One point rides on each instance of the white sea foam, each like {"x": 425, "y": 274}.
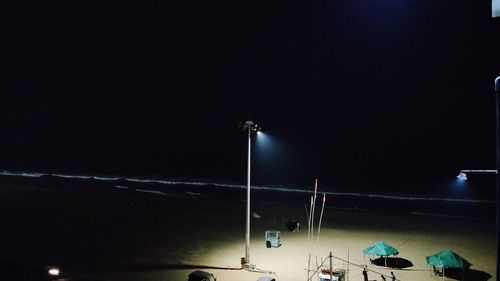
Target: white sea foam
{"x": 226, "y": 185}
{"x": 21, "y": 174}
{"x": 150, "y": 191}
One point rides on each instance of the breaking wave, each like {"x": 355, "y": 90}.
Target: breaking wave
{"x": 240, "y": 186}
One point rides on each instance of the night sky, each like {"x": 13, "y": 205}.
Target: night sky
{"x": 344, "y": 90}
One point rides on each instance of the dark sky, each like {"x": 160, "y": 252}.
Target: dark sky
{"x": 343, "y": 89}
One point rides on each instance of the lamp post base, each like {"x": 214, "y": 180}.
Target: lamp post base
{"x": 246, "y": 265}
{"x": 251, "y": 267}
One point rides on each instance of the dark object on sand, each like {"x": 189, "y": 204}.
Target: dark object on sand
{"x": 292, "y": 226}
{"x": 266, "y": 278}
{"x": 365, "y": 274}
{"x": 199, "y": 275}
{"x": 392, "y": 262}
{"x": 466, "y": 274}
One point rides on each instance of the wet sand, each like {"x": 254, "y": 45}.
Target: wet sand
{"x": 124, "y": 235}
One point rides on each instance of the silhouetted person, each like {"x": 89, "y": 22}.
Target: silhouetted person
{"x": 383, "y": 277}
{"x": 365, "y": 273}
{"x": 393, "y": 277}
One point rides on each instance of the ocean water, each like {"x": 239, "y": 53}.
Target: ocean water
{"x": 453, "y": 199}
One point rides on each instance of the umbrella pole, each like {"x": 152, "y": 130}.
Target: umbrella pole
{"x": 348, "y": 263}
{"x": 321, "y": 217}
{"x": 308, "y": 266}
{"x": 462, "y": 263}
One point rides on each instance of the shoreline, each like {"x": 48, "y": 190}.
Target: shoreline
{"x": 440, "y": 192}
{"x": 353, "y": 201}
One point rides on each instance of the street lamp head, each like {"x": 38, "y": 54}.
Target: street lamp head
{"x": 250, "y": 126}
{"x": 462, "y": 176}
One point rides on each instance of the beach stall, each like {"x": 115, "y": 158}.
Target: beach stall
{"x": 381, "y": 249}
{"x": 446, "y": 259}
{"x": 273, "y": 238}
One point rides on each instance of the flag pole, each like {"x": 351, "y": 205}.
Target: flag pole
{"x": 321, "y": 217}
{"x": 314, "y": 207}
{"x": 309, "y": 222}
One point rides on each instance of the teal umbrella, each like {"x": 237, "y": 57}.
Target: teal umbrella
{"x": 448, "y": 258}
{"x": 381, "y": 249}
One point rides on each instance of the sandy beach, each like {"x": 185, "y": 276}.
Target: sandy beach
{"x": 111, "y": 234}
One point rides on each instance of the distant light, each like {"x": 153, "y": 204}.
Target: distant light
{"x": 462, "y": 176}
{"x": 259, "y": 132}
{"x": 54, "y": 271}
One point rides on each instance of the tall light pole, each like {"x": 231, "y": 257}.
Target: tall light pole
{"x": 497, "y": 104}
{"x": 252, "y": 128}
{"x": 463, "y": 173}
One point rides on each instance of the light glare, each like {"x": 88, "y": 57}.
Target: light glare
{"x": 462, "y": 176}
{"x": 54, "y": 271}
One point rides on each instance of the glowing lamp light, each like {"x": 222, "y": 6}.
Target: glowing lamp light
{"x": 54, "y": 271}
{"x": 462, "y": 176}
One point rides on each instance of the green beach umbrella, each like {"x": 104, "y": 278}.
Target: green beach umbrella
{"x": 381, "y": 249}
{"x": 447, "y": 258}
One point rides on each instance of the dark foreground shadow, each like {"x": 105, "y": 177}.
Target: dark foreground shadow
{"x": 392, "y": 262}
{"x": 32, "y": 272}
{"x": 467, "y": 274}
